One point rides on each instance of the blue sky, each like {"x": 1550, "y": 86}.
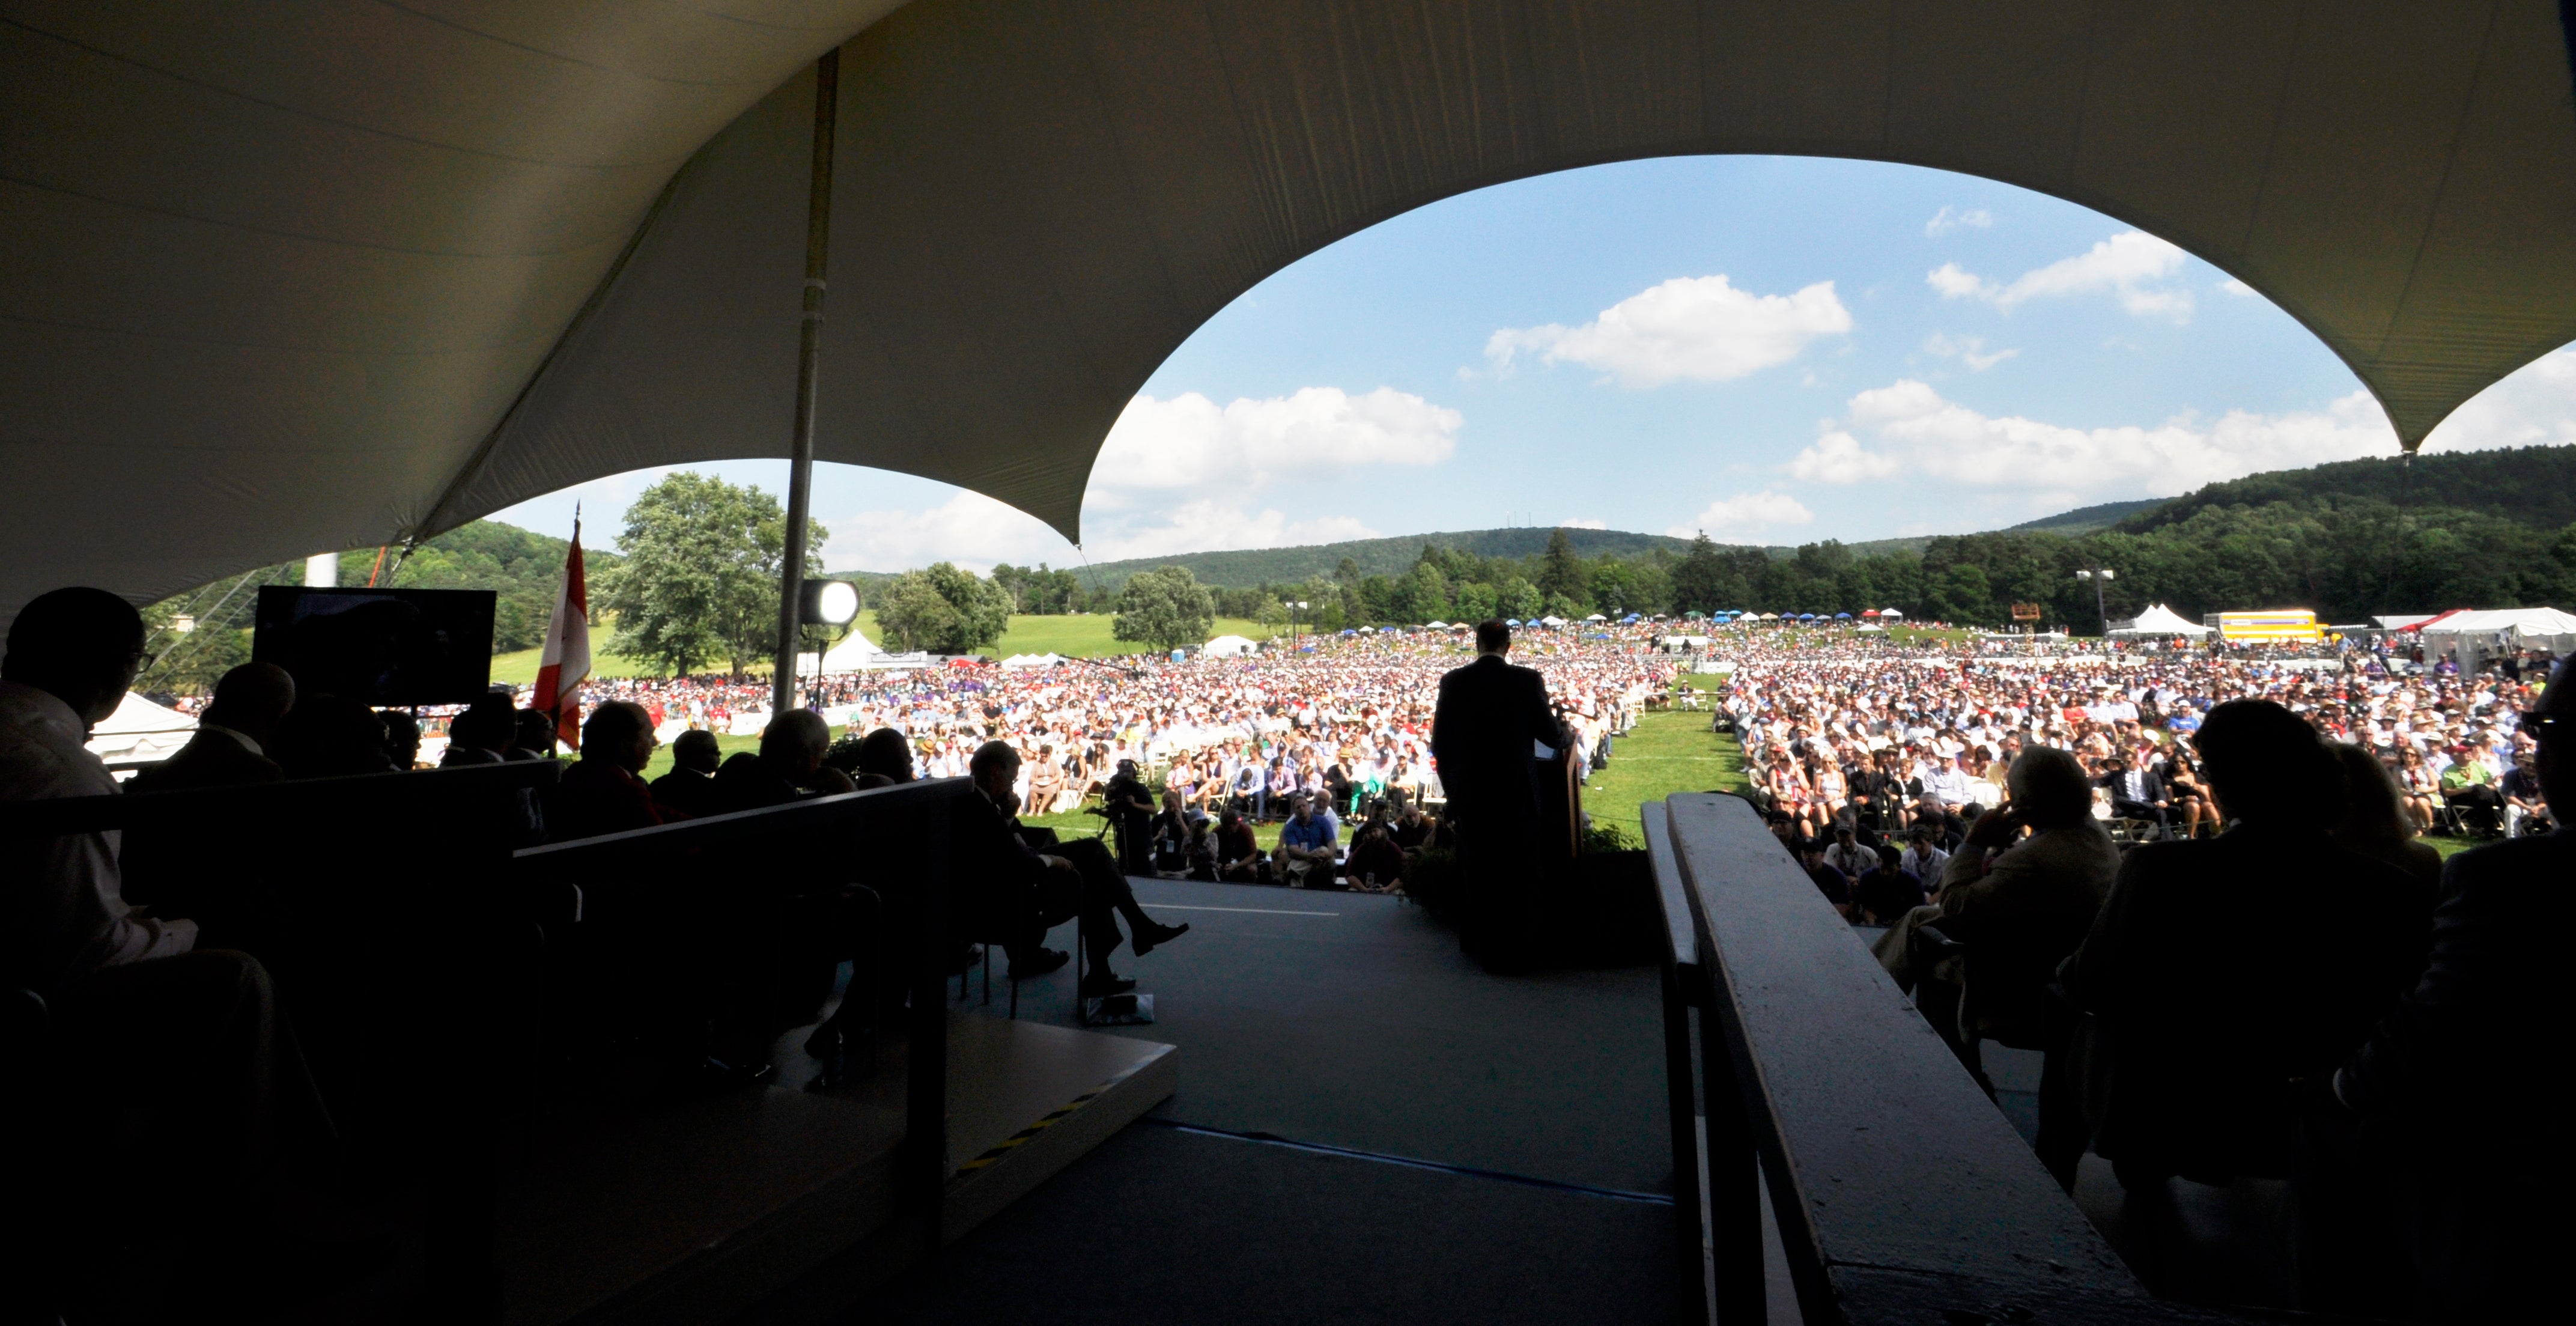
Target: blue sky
{"x": 1771, "y": 349}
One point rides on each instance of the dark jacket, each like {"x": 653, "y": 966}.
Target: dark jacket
{"x": 998, "y": 881}
{"x": 210, "y": 759}
{"x": 2152, "y": 786}
{"x": 2462, "y": 1064}
{"x": 596, "y": 797}
{"x": 2228, "y": 976}
{"x": 1490, "y": 716}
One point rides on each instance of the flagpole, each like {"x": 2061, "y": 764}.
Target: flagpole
{"x": 800, "y": 470}
{"x": 563, "y": 597}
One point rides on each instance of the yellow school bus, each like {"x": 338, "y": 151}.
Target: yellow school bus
{"x": 2279, "y": 626}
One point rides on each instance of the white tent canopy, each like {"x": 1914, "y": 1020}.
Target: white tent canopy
{"x": 1228, "y": 646}
{"x": 2159, "y": 620}
{"x": 283, "y": 287}
{"x": 140, "y": 732}
{"x": 2504, "y": 628}
{"x": 1018, "y": 661}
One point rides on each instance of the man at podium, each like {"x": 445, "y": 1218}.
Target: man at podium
{"x": 1486, "y": 737}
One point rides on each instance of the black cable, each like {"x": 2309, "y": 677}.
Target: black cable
{"x": 1441, "y": 1167}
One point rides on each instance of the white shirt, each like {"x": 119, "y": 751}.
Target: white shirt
{"x": 65, "y": 912}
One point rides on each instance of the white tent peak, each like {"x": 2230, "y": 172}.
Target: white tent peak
{"x": 2159, "y": 620}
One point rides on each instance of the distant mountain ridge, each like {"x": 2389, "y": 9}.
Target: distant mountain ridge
{"x": 1245, "y": 567}
{"x": 2531, "y": 486}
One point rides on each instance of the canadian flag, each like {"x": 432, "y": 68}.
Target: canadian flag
{"x": 566, "y": 660}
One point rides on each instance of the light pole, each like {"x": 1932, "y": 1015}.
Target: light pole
{"x": 2100, "y": 576}
{"x": 1294, "y": 606}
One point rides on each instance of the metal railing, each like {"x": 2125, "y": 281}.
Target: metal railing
{"x": 1901, "y": 1193}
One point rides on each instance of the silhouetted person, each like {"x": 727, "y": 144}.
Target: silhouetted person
{"x": 532, "y": 736}
{"x": 1012, "y": 891}
{"x": 604, "y": 792}
{"x": 230, "y": 748}
{"x": 789, "y": 766}
{"x": 176, "y": 1058}
{"x": 1130, "y": 808}
{"x": 327, "y": 736}
{"x": 2231, "y": 972}
{"x": 2460, "y": 1122}
{"x": 2020, "y": 905}
{"x": 690, "y": 787}
{"x": 402, "y": 739}
{"x": 2374, "y": 817}
{"x": 1490, "y": 719}
{"x": 481, "y": 733}
{"x": 885, "y": 759}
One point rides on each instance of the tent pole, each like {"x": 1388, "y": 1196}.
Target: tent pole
{"x": 800, "y": 472}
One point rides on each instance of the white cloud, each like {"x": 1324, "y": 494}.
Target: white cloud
{"x": 1699, "y": 329}
{"x": 1190, "y": 442}
{"x": 2536, "y": 406}
{"x": 1583, "y": 524}
{"x": 1970, "y": 350}
{"x": 1745, "y": 517}
{"x": 1910, "y": 428}
{"x": 2129, "y": 265}
{"x": 2238, "y": 288}
{"x": 1949, "y": 219}
{"x": 974, "y": 531}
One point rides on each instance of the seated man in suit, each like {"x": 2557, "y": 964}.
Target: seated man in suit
{"x": 690, "y": 787}
{"x": 2232, "y": 974}
{"x": 2136, "y": 792}
{"x": 230, "y": 748}
{"x": 604, "y": 792}
{"x": 1008, "y": 890}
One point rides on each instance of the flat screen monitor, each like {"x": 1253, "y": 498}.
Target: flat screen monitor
{"x": 379, "y": 646}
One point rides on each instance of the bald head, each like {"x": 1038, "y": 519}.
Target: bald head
{"x": 620, "y": 732}
{"x": 794, "y": 743}
{"x": 81, "y": 645}
{"x": 251, "y": 699}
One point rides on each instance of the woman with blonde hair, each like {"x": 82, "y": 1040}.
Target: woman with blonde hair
{"x": 2375, "y": 819}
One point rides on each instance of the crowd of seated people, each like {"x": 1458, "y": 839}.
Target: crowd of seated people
{"x": 2307, "y": 995}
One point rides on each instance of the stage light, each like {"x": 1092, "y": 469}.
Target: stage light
{"x": 830, "y": 602}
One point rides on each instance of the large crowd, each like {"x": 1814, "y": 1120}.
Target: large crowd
{"x": 1856, "y": 730}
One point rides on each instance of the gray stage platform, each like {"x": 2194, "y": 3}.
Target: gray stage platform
{"x": 1344, "y": 1021}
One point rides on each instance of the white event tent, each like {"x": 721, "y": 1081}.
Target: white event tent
{"x": 282, "y": 287}
{"x": 2159, "y": 620}
{"x": 1228, "y": 646}
{"x": 139, "y": 733}
{"x": 2472, "y": 635}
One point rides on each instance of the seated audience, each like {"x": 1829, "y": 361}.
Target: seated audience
{"x": 2374, "y": 821}
{"x": 789, "y": 766}
{"x": 481, "y": 733}
{"x": 2228, "y": 973}
{"x": 2020, "y": 906}
{"x": 1923, "y": 858}
{"x": 1884, "y": 893}
{"x": 690, "y": 787}
{"x": 1309, "y": 849}
{"x": 1376, "y": 862}
{"x": 1847, "y": 855}
{"x": 885, "y": 759}
{"x": 402, "y": 739}
{"x": 604, "y": 791}
{"x": 175, "y": 1055}
{"x": 2137, "y": 792}
{"x": 2459, "y": 1122}
{"x": 1834, "y": 884}
{"x": 1012, "y": 891}
{"x": 230, "y": 747}
{"x": 532, "y": 736}
{"x": 2470, "y": 791}
{"x": 1238, "y": 853}
{"x": 325, "y": 736}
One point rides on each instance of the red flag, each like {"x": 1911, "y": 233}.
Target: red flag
{"x": 566, "y": 660}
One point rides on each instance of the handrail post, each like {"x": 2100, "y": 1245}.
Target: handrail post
{"x": 1682, "y": 1099}
{"x": 1734, "y": 1178}
{"x": 925, "y": 1129}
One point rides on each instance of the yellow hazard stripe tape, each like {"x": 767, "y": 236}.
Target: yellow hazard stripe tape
{"x": 1052, "y": 1117}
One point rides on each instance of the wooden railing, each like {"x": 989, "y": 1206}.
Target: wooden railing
{"x": 1901, "y": 1193}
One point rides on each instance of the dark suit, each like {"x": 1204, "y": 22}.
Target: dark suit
{"x": 210, "y": 759}
{"x": 1004, "y": 893}
{"x": 1490, "y": 717}
{"x": 2453, "y": 1086}
{"x": 2145, "y": 805}
{"x": 2224, "y": 970}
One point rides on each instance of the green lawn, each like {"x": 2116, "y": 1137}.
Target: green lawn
{"x": 1074, "y": 637}
{"x": 1670, "y": 751}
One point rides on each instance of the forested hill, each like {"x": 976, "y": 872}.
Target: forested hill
{"x": 2086, "y": 519}
{"x": 2534, "y": 487}
{"x": 1377, "y": 557}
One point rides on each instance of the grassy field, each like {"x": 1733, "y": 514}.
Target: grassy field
{"x": 1671, "y": 751}
{"x": 1074, "y": 637}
